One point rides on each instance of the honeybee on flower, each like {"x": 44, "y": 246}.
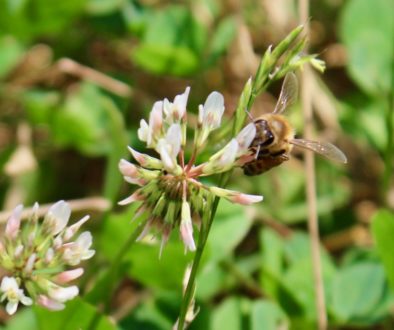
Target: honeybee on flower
{"x": 170, "y": 191}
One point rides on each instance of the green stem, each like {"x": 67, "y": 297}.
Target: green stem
{"x": 189, "y": 292}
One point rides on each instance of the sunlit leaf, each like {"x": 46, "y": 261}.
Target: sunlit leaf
{"x": 368, "y": 35}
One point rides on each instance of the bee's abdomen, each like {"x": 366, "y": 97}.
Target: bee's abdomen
{"x": 254, "y": 168}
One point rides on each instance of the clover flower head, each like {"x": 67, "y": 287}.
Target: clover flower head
{"x": 37, "y": 255}
{"x": 170, "y": 192}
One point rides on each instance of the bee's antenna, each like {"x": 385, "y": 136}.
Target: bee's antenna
{"x": 249, "y": 115}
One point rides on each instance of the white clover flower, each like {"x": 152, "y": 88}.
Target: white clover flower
{"x": 32, "y": 254}
{"x": 13, "y": 294}
{"x": 79, "y": 250}
{"x": 169, "y": 190}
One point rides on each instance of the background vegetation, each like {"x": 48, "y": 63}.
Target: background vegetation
{"x": 76, "y": 77}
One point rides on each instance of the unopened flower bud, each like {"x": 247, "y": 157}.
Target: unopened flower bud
{"x": 13, "y": 223}
{"x": 69, "y": 275}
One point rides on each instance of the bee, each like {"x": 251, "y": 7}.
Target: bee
{"x": 275, "y": 137}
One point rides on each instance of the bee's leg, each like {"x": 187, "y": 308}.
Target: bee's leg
{"x": 249, "y": 115}
{"x": 256, "y": 155}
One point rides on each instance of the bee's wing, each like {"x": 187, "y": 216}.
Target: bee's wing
{"x": 323, "y": 148}
{"x": 288, "y": 94}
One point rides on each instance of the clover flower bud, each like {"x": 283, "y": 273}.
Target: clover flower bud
{"x": 33, "y": 258}
{"x": 146, "y": 161}
{"x": 49, "y": 303}
{"x": 69, "y": 275}
{"x": 61, "y": 294}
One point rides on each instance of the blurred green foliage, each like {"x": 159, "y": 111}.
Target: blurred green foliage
{"x": 256, "y": 271}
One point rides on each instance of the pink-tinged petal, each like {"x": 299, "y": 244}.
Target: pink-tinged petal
{"x": 49, "y": 303}
{"x": 147, "y": 227}
{"x": 68, "y": 276}
{"x": 139, "y": 182}
{"x": 235, "y": 196}
{"x": 136, "y": 196}
{"x": 128, "y": 169}
{"x": 246, "y": 199}
{"x": 164, "y": 238}
{"x": 146, "y": 160}
{"x": 63, "y": 294}
{"x": 245, "y": 138}
{"x": 186, "y": 227}
{"x": 70, "y": 231}
{"x": 13, "y": 223}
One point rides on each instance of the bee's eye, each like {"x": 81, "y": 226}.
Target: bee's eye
{"x": 165, "y": 172}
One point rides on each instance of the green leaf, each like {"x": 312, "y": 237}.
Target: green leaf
{"x": 383, "y": 232}
{"x": 211, "y": 280}
{"x": 368, "y": 36}
{"x": 222, "y": 38}
{"x": 24, "y": 319}
{"x": 145, "y": 264}
{"x": 77, "y": 315}
{"x": 229, "y": 227}
{"x": 272, "y": 261}
{"x": 149, "y": 316}
{"x": 266, "y": 314}
{"x": 142, "y": 261}
{"x": 227, "y": 315}
{"x": 357, "y": 290}
{"x": 90, "y": 122}
{"x": 103, "y": 7}
{"x": 173, "y": 42}
{"x": 161, "y": 59}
